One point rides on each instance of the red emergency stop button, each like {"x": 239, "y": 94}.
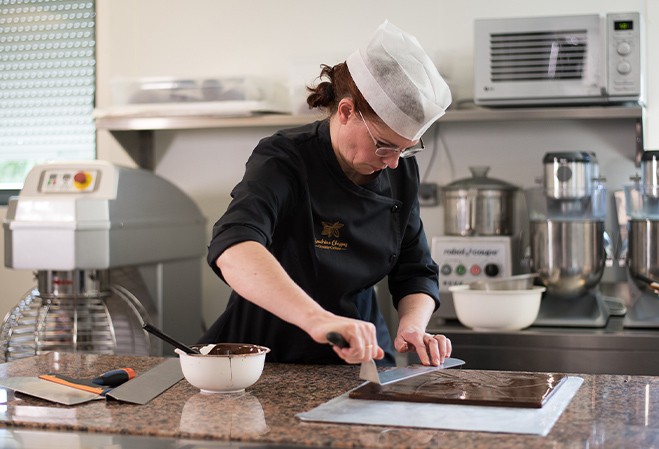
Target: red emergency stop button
{"x": 82, "y": 180}
{"x": 80, "y": 177}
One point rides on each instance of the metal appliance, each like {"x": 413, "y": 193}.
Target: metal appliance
{"x": 642, "y": 207}
{"x": 577, "y": 59}
{"x": 465, "y": 259}
{"x": 111, "y": 247}
{"x": 480, "y": 241}
{"x": 567, "y": 240}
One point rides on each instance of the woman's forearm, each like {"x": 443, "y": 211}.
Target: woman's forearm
{"x": 255, "y": 274}
{"x": 415, "y": 310}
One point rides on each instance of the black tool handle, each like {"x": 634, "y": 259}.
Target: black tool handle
{"x": 644, "y": 278}
{"x": 158, "y": 333}
{"x": 115, "y": 377}
{"x": 337, "y": 339}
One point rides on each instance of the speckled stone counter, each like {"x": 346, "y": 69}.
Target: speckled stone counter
{"x": 608, "y": 411}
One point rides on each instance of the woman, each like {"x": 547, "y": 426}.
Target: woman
{"x": 327, "y": 210}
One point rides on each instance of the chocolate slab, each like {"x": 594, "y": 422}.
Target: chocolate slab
{"x": 503, "y": 389}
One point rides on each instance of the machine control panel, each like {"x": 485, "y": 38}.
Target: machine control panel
{"x": 69, "y": 180}
{"x": 462, "y": 260}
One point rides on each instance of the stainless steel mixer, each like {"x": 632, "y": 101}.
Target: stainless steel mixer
{"x": 642, "y": 206}
{"x": 111, "y": 247}
{"x": 480, "y": 238}
{"x": 567, "y": 240}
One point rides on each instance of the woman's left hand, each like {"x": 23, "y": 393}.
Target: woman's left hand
{"x": 431, "y": 349}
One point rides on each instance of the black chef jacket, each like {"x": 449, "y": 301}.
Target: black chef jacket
{"x": 334, "y": 238}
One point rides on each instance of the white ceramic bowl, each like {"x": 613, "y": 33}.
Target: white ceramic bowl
{"x": 227, "y": 368}
{"x": 500, "y": 310}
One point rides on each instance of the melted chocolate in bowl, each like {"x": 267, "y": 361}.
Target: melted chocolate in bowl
{"x": 229, "y": 349}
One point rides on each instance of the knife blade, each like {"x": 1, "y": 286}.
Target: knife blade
{"x": 369, "y": 370}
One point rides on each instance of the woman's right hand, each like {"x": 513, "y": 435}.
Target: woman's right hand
{"x": 359, "y": 335}
{"x": 254, "y": 273}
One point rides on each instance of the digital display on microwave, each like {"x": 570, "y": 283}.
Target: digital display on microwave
{"x": 623, "y": 25}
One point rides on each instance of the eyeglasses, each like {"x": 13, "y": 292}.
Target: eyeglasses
{"x": 385, "y": 151}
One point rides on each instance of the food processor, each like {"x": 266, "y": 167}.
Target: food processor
{"x": 479, "y": 241}
{"x": 567, "y": 240}
{"x": 642, "y": 207}
{"x": 111, "y": 247}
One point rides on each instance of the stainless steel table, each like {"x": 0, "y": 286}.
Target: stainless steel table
{"x": 608, "y": 350}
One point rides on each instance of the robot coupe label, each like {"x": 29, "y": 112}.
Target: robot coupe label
{"x": 484, "y": 252}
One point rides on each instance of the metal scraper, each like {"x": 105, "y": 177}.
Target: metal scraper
{"x": 48, "y": 390}
{"x": 369, "y": 370}
{"x": 139, "y": 390}
{"x": 150, "y": 384}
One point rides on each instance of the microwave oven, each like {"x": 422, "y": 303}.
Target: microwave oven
{"x": 578, "y": 59}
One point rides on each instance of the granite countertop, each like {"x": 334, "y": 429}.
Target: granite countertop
{"x": 608, "y": 411}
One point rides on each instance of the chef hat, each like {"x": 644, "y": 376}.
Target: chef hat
{"x": 399, "y": 81}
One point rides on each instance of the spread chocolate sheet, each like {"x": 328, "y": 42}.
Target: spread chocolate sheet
{"x": 503, "y": 389}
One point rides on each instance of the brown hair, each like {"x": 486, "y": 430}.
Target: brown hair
{"x": 336, "y": 84}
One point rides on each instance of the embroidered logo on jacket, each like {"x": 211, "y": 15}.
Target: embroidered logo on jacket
{"x": 331, "y": 237}
{"x": 331, "y": 229}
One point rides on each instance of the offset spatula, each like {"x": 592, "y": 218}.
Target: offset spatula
{"x": 369, "y": 371}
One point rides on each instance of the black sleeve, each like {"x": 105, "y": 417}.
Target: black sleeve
{"x": 269, "y": 186}
{"x": 415, "y": 271}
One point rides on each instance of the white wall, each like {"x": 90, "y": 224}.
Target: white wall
{"x": 260, "y": 37}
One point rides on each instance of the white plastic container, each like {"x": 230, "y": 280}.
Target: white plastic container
{"x": 496, "y": 310}
{"x": 220, "y": 95}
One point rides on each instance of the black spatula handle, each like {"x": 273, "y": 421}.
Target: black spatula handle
{"x": 337, "y": 339}
{"x": 160, "y": 334}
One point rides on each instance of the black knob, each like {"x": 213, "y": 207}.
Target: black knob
{"x": 491, "y": 269}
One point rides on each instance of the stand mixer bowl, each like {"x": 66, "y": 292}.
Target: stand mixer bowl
{"x": 74, "y": 311}
{"x": 643, "y": 251}
{"x": 642, "y": 207}
{"x": 566, "y": 221}
{"x": 569, "y": 256}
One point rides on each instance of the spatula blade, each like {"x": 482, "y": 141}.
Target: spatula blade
{"x": 370, "y": 372}
{"x": 48, "y": 390}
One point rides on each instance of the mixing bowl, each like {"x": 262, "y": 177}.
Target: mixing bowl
{"x": 223, "y": 367}
{"x": 500, "y": 310}
{"x": 517, "y": 282}
{"x": 569, "y": 256}
{"x": 643, "y": 255}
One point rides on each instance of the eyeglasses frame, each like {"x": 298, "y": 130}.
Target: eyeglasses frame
{"x": 388, "y": 151}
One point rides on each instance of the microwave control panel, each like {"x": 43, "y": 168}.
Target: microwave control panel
{"x": 624, "y": 53}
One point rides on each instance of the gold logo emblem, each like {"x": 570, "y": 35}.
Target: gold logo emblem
{"x": 331, "y": 237}
{"x": 331, "y": 229}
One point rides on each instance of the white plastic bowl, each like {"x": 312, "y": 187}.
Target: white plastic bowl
{"x": 228, "y": 368}
{"x": 499, "y": 310}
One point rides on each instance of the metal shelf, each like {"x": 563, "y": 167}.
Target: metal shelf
{"x": 135, "y": 132}
{"x": 145, "y": 123}
{"x": 154, "y": 123}
{"x": 546, "y": 113}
